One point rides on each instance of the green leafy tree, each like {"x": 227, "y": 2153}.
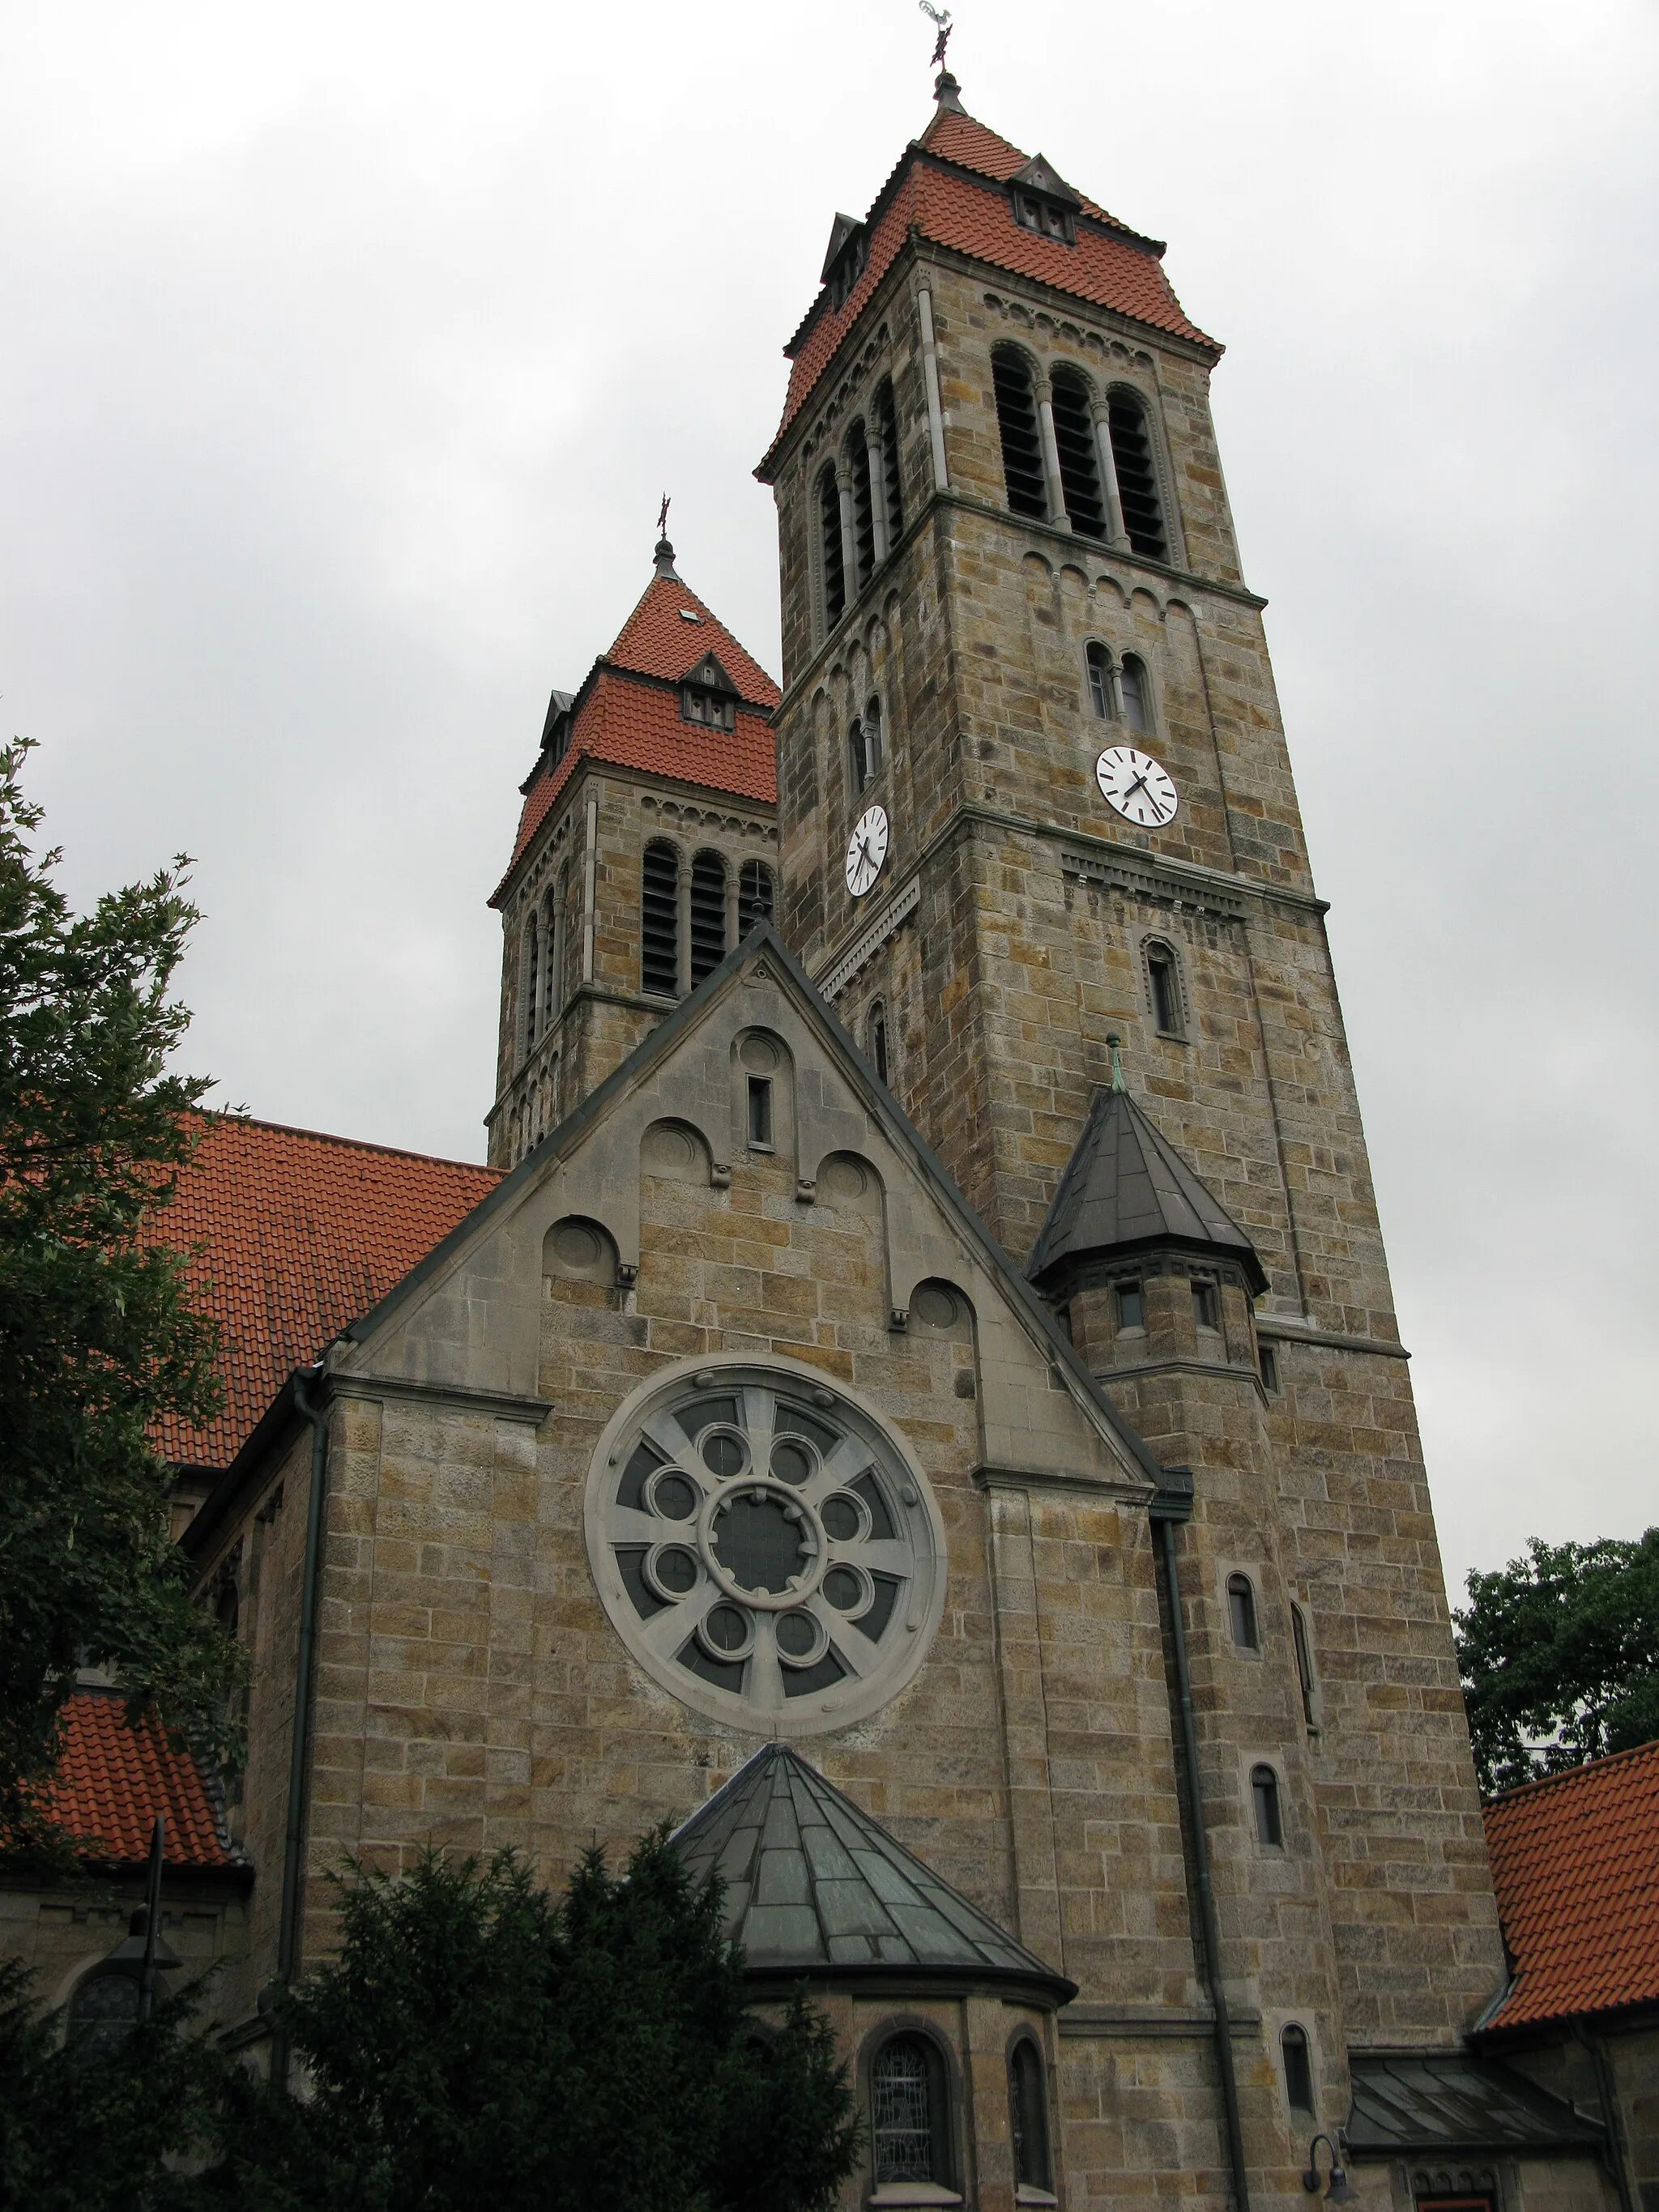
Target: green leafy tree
{"x": 1559, "y": 1656}
{"x": 86, "y": 2130}
{"x": 97, "y": 1336}
{"x": 478, "y": 2042}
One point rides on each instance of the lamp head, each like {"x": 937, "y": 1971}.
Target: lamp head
{"x": 1340, "y": 2192}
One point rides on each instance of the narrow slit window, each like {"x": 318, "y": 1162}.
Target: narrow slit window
{"x": 1137, "y": 475}
{"x": 1131, "y": 1306}
{"x": 1028, "y": 2113}
{"x": 760, "y": 1112}
{"x": 862, "y": 755}
{"x": 1166, "y": 990}
{"x": 1264, "y": 1793}
{"x": 1080, "y": 464}
{"x": 1132, "y": 679}
{"x": 553, "y": 980}
{"x": 1298, "y": 2070}
{"x": 754, "y": 895}
{"x": 1100, "y": 680}
{"x": 1240, "y": 1611}
{"x": 1206, "y": 1306}
{"x": 708, "y": 915}
{"x": 878, "y": 1039}
{"x": 887, "y": 417}
{"x": 1303, "y": 1662}
{"x": 1017, "y": 420}
{"x": 835, "y": 568}
{"x": 1269, "y": 1371}
{"x": 864, "y": 514}
{"x": 660, "y": 921}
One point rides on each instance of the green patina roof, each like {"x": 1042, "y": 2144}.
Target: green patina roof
{"x": 814, "y": 1884}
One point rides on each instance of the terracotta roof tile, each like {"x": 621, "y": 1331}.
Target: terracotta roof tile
{"x": 657, "y": 639}
{"x": 113, "y": 1780}
{"x": 633, "y": 726}
{"x": 290, "y": 1235}
{"x": 1122, "y": 272}
{"x": 1576, "y": 1862}
{"x": 639, "y": 725}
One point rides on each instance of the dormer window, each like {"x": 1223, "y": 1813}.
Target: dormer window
{"x": 707, "y": 696}
{"x": 847, "y": 259}
{"x": 1043, "y": 201}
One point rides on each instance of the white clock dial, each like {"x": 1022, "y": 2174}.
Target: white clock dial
{"x": 866, "y": 849}
{"x": 1135, "y": 784}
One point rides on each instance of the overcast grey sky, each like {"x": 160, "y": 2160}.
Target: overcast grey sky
{"x": 348, "y": 347}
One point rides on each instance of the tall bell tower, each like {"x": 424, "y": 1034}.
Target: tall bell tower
{"x": 1040, "y": 845}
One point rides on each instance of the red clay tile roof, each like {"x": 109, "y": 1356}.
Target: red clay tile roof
{"x": 1576, "y": 1862}
{"x": 639, "y": 725}
{"x": 657, "y": 639}
{"x": 113, "y": 1780}
{"x": 1120, "y": 271}
{"x": 298, "y": 1234}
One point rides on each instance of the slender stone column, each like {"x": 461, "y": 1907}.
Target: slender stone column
{"x": 1057, "y": 513}
{"x": 1115, "y": 532}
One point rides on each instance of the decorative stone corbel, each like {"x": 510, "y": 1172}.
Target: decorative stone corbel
{"x": 806, "y": 1189}
{"x": 628, "y": 1273}
{"x": 720, "y": 1175}
{"x": 899, "y": 1317}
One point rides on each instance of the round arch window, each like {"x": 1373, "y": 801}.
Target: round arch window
{"x": 765, "y": 1546}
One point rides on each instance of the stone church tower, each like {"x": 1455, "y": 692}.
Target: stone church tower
{"x": 921, "y": 1406}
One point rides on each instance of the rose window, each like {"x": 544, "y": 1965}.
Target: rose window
{"x": 765, "y": 1546}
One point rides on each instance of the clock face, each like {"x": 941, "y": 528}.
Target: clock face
{"x": 866, "y": 849}
{"x": 1137, "y": 787}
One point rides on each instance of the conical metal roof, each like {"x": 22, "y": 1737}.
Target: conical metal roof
{"x": 1125, "y": 1190}
{"x": 815, "y": 1887}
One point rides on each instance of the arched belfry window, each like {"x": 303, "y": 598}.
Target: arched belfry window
{"x": 1137, "y": 692}
{"x": 659, "y": 919}
{"x": 1028, "y": 2115}
{"x": 1079, "y": 461}
{"x": 533, "y": 976}
{"x": 1017, "y": 420}
{"x": 1099, "y": 664}
{"x": 708, "y": 915}
{"x": 553, "y": 939}
{"x": 754, "y": 895}
{"x": 835, "y": 568}
{"x": 887, "y": 424}
{"x": 910, "y": 2125}
{"x": 864, "y": 508}
{"x": 1137, "y": 475}
{"x": 878, "y": 1035}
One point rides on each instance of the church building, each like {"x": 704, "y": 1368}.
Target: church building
{"x": 914, "y": 1397}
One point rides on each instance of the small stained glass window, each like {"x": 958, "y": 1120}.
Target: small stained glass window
{"x": 902, "y": 2112}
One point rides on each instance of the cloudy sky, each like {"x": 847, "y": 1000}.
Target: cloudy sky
{"x": 348, "y": 347}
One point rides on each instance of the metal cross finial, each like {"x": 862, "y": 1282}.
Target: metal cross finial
{"x": 662, "y": 516}
{"x": 942, "y": 17}
{"x": 1112, "y": 1042}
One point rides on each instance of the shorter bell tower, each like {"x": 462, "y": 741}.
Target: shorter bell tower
{"x": 645, "y": 850}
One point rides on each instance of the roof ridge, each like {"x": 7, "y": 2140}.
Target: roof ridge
{"x": 1576, "y": 1773}
{"x": 222, "y": 1114}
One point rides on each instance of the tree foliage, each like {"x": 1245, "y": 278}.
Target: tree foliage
{"x": 83, "y": 2132}
{"x": 97, "y": 1337}
{"x": 478, "y": 2042}
{"x": 1559, "y": 1656}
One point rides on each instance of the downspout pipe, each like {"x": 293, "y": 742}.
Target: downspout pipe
{"x": 1172, "y": 1504}
{"x": 305, "y": 1672}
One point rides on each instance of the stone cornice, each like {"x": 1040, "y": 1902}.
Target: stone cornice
{"x": 460, "y": 1397}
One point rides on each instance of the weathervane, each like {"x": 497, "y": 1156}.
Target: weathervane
{"x": 662, "y": 517}
{"x": 942, "y": 17}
